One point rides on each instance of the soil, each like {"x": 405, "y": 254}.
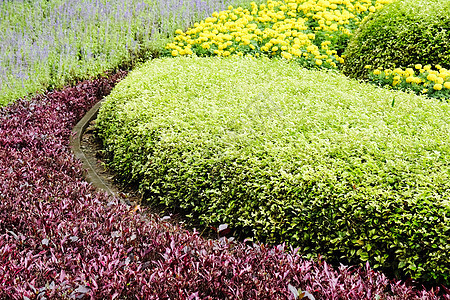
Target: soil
{"x": 92, "y": 148}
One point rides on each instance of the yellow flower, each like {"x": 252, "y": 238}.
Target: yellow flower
{"x": 409, "y": 71}
{"x": 367, "y": 67}
{"x": 432, "y": 77}
{"x": 437, "y": 86}
{"x": 418, "y": 66}
{"x": 286, "y": 55}
{"x": 376, "y": 72}
{"x": 334, "y": 27}
{"x": 447, "y": 85}
{"x": 285, "y": 30}
{"x": 409, "y": 79}
{"x": 438, "y": 67}
{"x": 424, "y": 91}
{"x": 174, "y": 52}
{"x": 427, "y": 67}
{"x": 444, "y": 73}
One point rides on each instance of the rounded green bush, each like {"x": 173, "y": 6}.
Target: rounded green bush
{"x": 403, "y": 33}
{"x": 346, "y": 170}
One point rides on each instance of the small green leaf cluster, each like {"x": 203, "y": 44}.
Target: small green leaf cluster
{"x": 402, "y": 34}
{"x": 285, "y": 154}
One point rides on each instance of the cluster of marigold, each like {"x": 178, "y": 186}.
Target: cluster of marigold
{"x": 302, "y": 30}
{"x": 434, "y": 82}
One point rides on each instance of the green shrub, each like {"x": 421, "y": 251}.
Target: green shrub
{"x": 348, "y": 170}
{"x": 402, "y": 34}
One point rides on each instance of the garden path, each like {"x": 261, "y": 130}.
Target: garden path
{"x": 87, "y": 146}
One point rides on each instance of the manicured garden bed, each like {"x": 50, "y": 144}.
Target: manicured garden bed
{"x": 61, "y": 239}
{"x": 330, "y": 165}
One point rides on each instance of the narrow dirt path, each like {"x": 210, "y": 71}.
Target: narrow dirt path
{"x": 88, "y": 148}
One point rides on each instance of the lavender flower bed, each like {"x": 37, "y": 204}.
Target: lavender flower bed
{"x": 49, "y": 44}
{"x": 61, "y": 239}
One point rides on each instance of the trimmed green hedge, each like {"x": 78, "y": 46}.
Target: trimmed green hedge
{"x": 348, "y": 170}
{"x": 404, "y": 33}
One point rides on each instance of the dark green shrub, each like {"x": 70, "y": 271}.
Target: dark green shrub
{"x": 404, "y": 33}
{"x": 285, "y": 154}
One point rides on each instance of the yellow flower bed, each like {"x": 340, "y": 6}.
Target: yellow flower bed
{"x": 308, "y": 31}
{"x": 434, "y": 82}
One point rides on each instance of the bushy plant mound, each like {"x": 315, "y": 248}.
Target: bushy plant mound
{"x": 404, "y": 33}
{"x": 59, "y": 239}
{"x": 312, "y": 32}
{"x": 350, "y": 171}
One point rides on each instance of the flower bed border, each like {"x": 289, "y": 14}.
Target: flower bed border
{"x": 90, "y": 174}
